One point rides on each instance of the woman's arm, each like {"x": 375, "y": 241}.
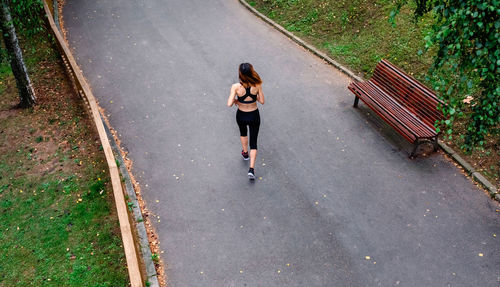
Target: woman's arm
{"x": 231, "y": 100}
{"x": 260, "y": 96}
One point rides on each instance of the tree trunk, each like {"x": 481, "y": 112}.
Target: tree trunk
{"x": 26, "y": 92}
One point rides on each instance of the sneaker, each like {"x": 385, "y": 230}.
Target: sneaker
{"x": 244, "y": 155}
{"x": 251, "y": 174}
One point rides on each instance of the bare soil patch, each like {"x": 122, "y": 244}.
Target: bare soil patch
{"x": 57, "y": 215}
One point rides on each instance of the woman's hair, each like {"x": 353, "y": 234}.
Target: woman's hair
{"x": 248, "y": 75}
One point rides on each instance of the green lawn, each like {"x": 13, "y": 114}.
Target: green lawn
{"x": 58, "y": 225}
{"x": 356, "y": 33}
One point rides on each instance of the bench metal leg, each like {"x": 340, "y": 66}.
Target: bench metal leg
{"x": 356, "y": 101}
{"x": 414, "y": 151}
{"x": 435, "y": 144}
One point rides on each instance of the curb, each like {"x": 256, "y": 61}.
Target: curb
{"x": 150, "y": 270}
{"x": 82, "y": 88}
{"x": 492, "y": 190}
{"x": 471, "y": 171}
{"x": 151, "y": 276}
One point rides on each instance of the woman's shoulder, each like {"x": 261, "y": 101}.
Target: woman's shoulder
{"x": 257, "y": 85}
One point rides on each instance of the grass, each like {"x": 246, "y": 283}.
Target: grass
{"x": 58, "y": 225}
{"x": 5, "y": 72}
{"x": 357, "y": 33}
{"x": 49, "y": 235}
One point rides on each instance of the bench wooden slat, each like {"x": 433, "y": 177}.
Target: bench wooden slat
{"x": 414, "y": 122}
{"x": 400, "y": 113}
{"x": 414, "y": 104}
{"x": 403, "y": 102}
{"x": 410, "y": 95}
{"x": 428, "y": 95}
{"x": 404, "y": 90}
{"x": 406, "y": 133}
{"x": 422, "y": 87}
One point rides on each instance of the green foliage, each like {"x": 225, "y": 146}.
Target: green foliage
{"x": 28, "y": 16}
{"x": 467, "y": 64}
{"x": 96, "y": 189}
{"x": 3, "y": 56}
{"x": 155, "y": 257}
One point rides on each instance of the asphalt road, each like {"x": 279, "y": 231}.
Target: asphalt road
{"x": 335, "y": 183}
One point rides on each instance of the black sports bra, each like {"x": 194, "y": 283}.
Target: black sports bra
{"x": 247, "y": 94}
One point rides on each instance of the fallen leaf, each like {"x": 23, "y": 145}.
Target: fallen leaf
{"x": 467, "y": 100}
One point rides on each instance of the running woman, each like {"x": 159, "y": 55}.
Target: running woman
{"x": 245, "y": 95}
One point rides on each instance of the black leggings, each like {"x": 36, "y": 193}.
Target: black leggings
{"x": 252, "y": 120}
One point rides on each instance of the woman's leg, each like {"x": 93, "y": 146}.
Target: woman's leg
{"x": 242, "y": 125}
{"x": 253, "y": 156}
{"x": 254, "y": 134}
{"x": 244, "y": 143}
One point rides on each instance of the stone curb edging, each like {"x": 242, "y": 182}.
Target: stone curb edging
{"x": 471, "y": 171}
{"x": 151, "y": 275}
{"x": 83, "y": 89}
{"x": 492, "y": 190}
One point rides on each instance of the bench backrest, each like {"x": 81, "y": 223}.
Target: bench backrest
{"x": 409, "y": 92}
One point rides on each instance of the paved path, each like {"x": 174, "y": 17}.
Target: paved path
{"x": 336, "y": 185}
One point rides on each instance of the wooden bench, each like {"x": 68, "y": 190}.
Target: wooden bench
{"x": 403, "y": 102}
